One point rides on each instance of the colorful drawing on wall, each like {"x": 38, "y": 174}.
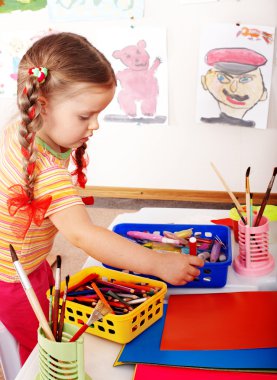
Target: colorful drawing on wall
{"x": 12, "y": 47}
{"x": 7, "y": 6}
{"x": 80, "y": 10}
{"x": 255, "y": 34}
{"x": 139, "y": 61}
{"x": 235, "y": 75}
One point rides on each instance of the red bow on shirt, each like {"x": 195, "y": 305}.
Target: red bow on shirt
{"x": 26, "y": 210}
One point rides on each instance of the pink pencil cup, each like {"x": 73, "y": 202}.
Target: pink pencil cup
{"x": 253, "y": 259}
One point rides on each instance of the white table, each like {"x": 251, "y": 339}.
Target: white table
{"x": 100, "y": 353}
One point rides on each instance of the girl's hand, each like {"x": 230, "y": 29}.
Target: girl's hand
{"x": 178, "y": 269}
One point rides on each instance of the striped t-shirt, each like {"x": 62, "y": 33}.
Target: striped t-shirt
{"x": 52, "y": 179}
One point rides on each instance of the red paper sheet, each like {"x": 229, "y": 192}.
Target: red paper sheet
{"x": 152, "y": 372}
{"x": 221, "y": 321}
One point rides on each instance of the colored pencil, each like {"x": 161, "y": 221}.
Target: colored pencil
{"x": 266, "y": 197}
{"x": 61, "y": 321}
{"x": 57, "y": 297}
{"x": 31, "y": 295}
{"x": 88, "y": 279}
{"x": 143, "y": 288}
{"x": 114, "y": 285}
{"x": 101, "y": 296}
{"x": 115, "y": 296}
{"x": 137, "y": 301}
{"x": 234, "y": 199}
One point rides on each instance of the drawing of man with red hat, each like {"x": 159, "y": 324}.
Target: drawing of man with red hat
{"x": 236, "y": 83}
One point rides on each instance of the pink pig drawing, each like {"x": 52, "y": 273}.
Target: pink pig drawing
{"x": 138, "y": 83}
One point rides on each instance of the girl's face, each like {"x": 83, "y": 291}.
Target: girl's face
{"x": 69, "y": 122}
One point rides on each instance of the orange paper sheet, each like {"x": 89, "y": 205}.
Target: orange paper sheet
{"x": 150, "y": 372}
{"x": 221, "y": 321}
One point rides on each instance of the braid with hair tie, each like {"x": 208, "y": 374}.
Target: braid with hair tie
{"x": 80, "y": 159}
{"x": 22, "y": 201}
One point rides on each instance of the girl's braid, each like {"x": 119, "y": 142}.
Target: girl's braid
{"x": 80, "y": 158}
{"x": 31, "y": 122}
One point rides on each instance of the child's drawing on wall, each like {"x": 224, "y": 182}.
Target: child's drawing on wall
{"x": 7, "y": 6}
{"x": 139, "y": 86}
{"x": 235, "y": 75}
{"x": 123, "y": 5}
{"x": 79, "y": 10}
{"x": 140, "y": 66}
{"x": 236, "y": 82}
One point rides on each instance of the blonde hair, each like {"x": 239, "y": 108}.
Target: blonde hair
{"x": 70, "y": 59}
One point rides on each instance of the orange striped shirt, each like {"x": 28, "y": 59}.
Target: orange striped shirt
{"x": 53, "y": 178}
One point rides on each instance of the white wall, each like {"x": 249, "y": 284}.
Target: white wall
{"x": 177, "y": 156}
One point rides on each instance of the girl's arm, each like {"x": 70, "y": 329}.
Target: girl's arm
{"x": 108, "y": 247}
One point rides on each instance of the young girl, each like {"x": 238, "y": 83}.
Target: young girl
{"x": 63, "y": 85}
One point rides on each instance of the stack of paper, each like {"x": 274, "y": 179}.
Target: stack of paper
{"x": 217, "y": 331}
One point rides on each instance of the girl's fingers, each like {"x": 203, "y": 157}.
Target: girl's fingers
{"x": 193, "y": 271}
{"x": 189, "y": 278}
{"x": 195, "y": 260}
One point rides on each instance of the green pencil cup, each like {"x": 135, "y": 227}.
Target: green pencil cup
{"x": 61, "y": 360}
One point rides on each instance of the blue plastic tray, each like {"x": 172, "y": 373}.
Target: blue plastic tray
{"x": 213, "y": 275}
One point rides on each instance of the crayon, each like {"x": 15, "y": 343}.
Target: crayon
{"x": 215, "y": 252}
{"x": 192, "y": 246}
{"x": 204, "y": 255}
{"x": 152, "y": 237}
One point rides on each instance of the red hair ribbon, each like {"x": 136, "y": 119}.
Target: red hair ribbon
{"x": 26, "y": 154}
{"x": 32, "y": 113}
{"x": 28, "y": 211}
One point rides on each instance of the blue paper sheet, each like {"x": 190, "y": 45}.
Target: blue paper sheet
{"x": 146, "y": 349}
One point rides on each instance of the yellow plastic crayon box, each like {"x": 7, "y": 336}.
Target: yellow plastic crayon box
{"x": 117, "y": 328}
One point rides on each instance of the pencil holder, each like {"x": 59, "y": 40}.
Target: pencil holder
{"x": 61, "y": 360}
{"x": 253, "y": 258}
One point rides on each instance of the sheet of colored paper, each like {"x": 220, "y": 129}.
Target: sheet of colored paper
{"x": 221, "y": 321}
{"x": 150, "y": 372}
{"x": 146, "y": 349}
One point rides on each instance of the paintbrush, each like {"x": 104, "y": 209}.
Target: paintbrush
{"x": 241, "y": 216}
{"x": 61, "y": 321}
{"x": 99, "y": 312}
{"x": 266, "y": 197}
{"x": 50, "y": 305}
{"x": 31, "y": 295}
{"x": 57, "y": 297}
{"x": 234, "y": 199}
{"x": 251, "y": 209}
{"x": 247, "y": 196}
